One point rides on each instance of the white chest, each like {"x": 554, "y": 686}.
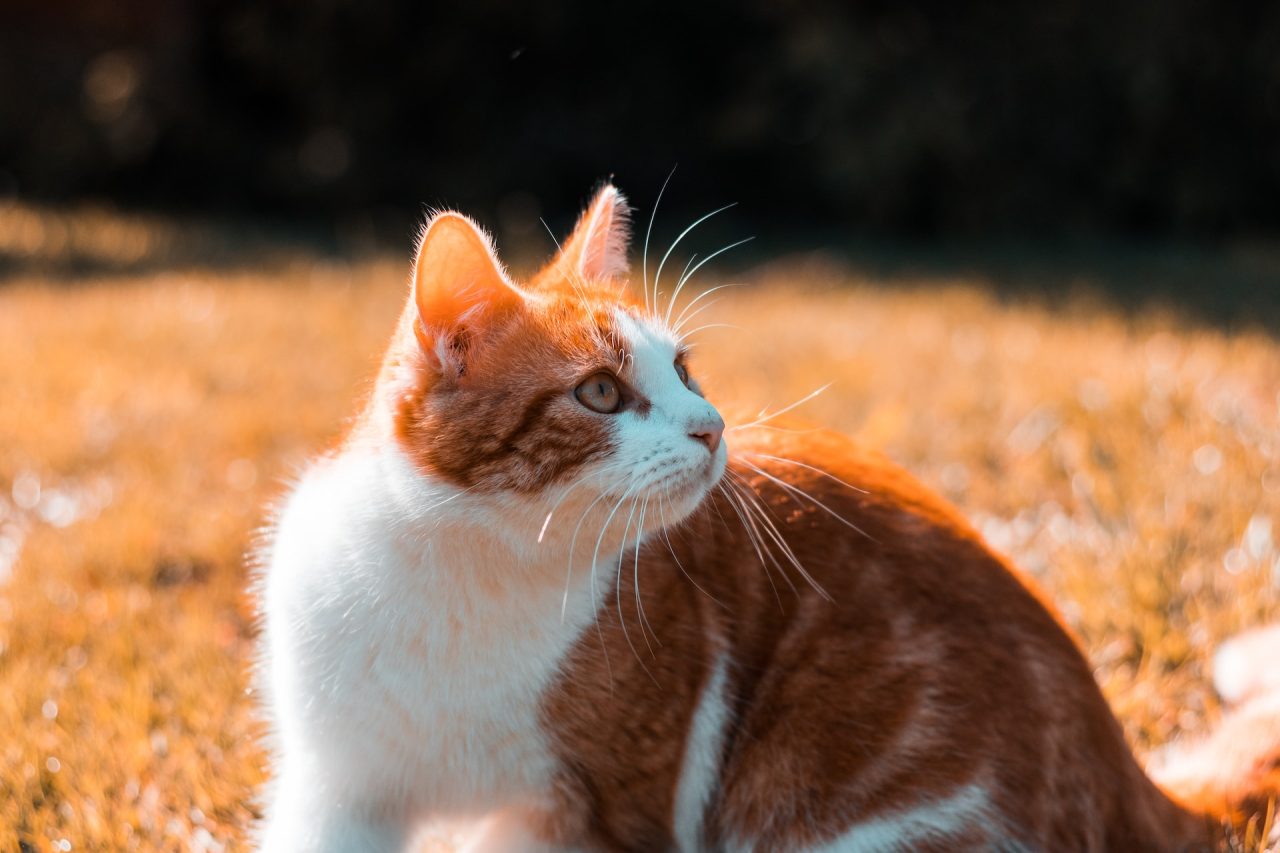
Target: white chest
{"x": 411, "y": 657}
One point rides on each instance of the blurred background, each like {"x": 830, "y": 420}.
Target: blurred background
{"x": 1033, "y": 249}
{"x": 1039, "y": 143}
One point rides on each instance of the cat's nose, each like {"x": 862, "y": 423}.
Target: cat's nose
{"x": 708, "y": 430}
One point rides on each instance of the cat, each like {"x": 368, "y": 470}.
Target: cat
{"x": 535, "y": 592}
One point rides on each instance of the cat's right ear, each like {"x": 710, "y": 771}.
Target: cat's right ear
{"x": 597, "y": 248}
{"x": 459, "y": 287}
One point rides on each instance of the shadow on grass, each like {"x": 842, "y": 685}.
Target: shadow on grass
{"x": 64, "y": 246}
{"x": 1231, "y": 288}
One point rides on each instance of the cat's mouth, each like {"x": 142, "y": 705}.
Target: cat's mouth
{"x": 684, "y": 489}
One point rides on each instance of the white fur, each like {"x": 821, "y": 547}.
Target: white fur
{"x": 398, "y": 691}
{"x": 1244, "y": 675}
{"x": 1245, "y": 666}
{"x": 700, "y": 773}
{"x": 411, "y": 631}
{"x": 933, "y": 821}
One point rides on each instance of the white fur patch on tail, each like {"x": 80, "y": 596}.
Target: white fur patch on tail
{"x": 1222, "y": 766}
{"x": 1248, "y": 665}
{"x": 1234, "y": 761}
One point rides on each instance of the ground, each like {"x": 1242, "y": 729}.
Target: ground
{"x": 153, "y": 403}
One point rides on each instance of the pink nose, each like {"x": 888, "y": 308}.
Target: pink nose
{"x": 708, "y": 431}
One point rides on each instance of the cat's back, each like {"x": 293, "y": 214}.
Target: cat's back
{"x": 938, "y": 674}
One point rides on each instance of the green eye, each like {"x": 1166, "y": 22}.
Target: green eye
{"x": 683, "y": 373}
{"x": 600, "y": 393}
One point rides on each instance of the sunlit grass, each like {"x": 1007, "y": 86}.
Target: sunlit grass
{"x": 1132, "y": 462}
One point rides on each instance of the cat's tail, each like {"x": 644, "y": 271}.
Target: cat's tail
{"x": 1233, "y": 775}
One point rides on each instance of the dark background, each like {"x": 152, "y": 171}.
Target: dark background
{"x": 831, "y": 123}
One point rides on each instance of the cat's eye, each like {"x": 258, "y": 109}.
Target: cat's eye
{"x": 683, "y": 373}
{"x": 600, "y": 393}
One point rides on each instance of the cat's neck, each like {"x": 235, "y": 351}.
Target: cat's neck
{"x": 479, "y": 542}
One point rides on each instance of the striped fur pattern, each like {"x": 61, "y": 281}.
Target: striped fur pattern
{"x": 560, "y": 611}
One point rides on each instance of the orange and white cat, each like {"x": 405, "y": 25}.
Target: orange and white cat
{"x": 536, "y": 590}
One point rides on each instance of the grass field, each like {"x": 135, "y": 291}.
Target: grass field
{"x": 1130, "y": 460}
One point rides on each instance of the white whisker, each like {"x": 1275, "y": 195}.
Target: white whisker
{"x": 782, "y": 411}
{"x": 776, "y": 535}
{"x": 657, "y": 276}
{"x": 802, "y": 493}
{"x": 690, "y": 273}
{"x": 756, "y": 510}
{"x": 691, "y": 317}
{"x": 709, "y": 326}
{"x": 710, "y": 290}
{"x": 635, "y": 575}
{"x": 753, "y": 536}
{"x": 644, "y": 257}
{"x": 816, "y": 470}
{"x": 551, "y": 234}
{"x": 780, "y": 429}
{"x": 604, "y": 649}
{"x": 450, "y": 498}
{"x": 684, "y": 272}
{"x": 672, "y": 549}
{"x": 578, "y": 482}
{"x": 617, "y": 595}
{"x": 595, "y": 555}
{"x": 573, "y": 541}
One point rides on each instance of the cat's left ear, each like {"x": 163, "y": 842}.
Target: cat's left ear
{"x": 459, "y": 288}
{"x": 597, "y": 248}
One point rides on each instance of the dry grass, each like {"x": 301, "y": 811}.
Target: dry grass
{"x": 1132, "y": 464}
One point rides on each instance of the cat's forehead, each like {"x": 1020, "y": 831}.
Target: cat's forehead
{"x": 604, "y": 320}
{"x": 651, "y": 347}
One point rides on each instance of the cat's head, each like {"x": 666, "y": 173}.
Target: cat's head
{"x": 564, "y": 381}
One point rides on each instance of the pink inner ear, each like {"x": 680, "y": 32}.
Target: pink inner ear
{"x": 456, "y": 275}
{"x": 598, "y": 246}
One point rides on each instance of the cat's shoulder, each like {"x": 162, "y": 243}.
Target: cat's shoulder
{"x": 325, "y": 487}
{"x": 842, "y": 471}
{"x": 337, "y": 501}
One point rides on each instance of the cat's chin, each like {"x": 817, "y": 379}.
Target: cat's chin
{"x": 685, "y": 492}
